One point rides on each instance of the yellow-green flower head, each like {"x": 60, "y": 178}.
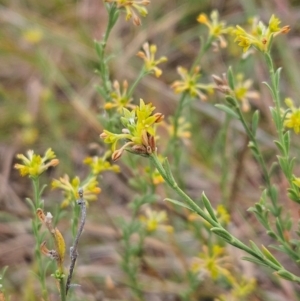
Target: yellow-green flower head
{"x": 217, "y": 28}
{"x": 242, "y": 89}
{"x": 292, "y": 118}
{"x": 154, "y": 220}
{"x": 189, "y": 83}
{"x": 214, "y": 262}
{"x": 132, "y": 7}
{"x": 34, "y": 165}
{"x": 148, "y": 55}
{"x": 33, "y": 35}
{"x": 139, "y": 131}
{"x": 183, "y": 130}
{"x": 70, "y": 189}
{"x": 99, "y": 165}
{"x": 243, "y": 287}
{"x": 243, "y": 92}
{"x": 119, "y": 98}
{"x": 261, "y": 35}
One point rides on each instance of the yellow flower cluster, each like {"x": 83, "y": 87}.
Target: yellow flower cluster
{"x": 261, "y": 35}
{"x": 139, "y": 131}
{"x": 131, "y": 7}
{"x": 154, "y": 220}
{"x": 217, "y": 28}
{"x": 100, "y": 164}
{"x": 292, "y": 118}
{"x": 242, "y": 89}
{"x": 148, "y": 55}
{"x": 189, "y": 83}
{"x": 70, "y": 188}
{"x": 34, "y": 165}
{"x": 120, "y": 99}
{"x": 214, "y": 262}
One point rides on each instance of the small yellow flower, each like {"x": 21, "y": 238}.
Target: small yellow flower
{"x": 243, "y": 287}
{"x": 131, "y": 7}
{"x": 153, "y": 220}
{"x": 260, "y": 35}
{"x": 34, "y": 165}
{"x": 70, "y": 188}
{"x": 217, "y": 29}
{"x": 214, "y": 262}
{"x": 243, "y": 93}
{"x": 183, "y": 130}
{"x": 190, "y": 84}
{"x": 222, "y": 215}
{"x": 296, "y": 181}
{"x": 242, "y": 89}
{"x": 148, "y": 55}
{"x": 33, "y": 35}
{"x": 292, "y": 119}
{"x": 139, "y": 131}
{"x": 120, "y": 99}
{"x": 99, "y": 165}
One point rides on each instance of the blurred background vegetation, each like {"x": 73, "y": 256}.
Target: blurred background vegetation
{"x": 48, "y": 99}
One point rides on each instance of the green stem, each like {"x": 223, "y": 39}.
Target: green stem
{"x": 204, "y": 48}
{"x": 104, "y": 70}
{"x": 138, "y": 79}
{"x": 36, "y": 227}
{"x": 168, "y": 177}
{"x": 178, "y": 114}
{"x": 62, "y": 289}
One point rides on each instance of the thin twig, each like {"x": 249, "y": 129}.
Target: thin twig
{"x": 73, "y": 249}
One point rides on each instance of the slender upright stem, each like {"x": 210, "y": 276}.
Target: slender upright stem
{"x": 36, "y": 227}
{"x": 73, "y": 249}
{"x": 217, "y": 227}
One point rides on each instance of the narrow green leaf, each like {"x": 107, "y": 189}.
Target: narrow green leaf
{"x": 280, "y": 147}
{"x": 208, "y": 207}
{"x": 270, "y": 88}
{"x": 178, "y": 203}
{"x": 231, "y": 101}
{"x": 293, "y": 195}
{"x": 230, "y": 78}
{"x": 42, "y": 190}
{"x": 227, "y": 110}
{"x": 277, "y": 77}
{"x": 31, "y": 204}
{"x": 287, "y": 141}
{"x": 254, "y": 260}
{"x": 259, "y": 207}
{"x": 167, "y": 168}
{"x": 255, "y": 120}
{"x": 255, "y": 248}
{"x": 273, "y": 168}
{"x": 279, "y": 228}
{"x": 291, "y": 165}
{"x": 272, "y": 234}
{"x": 286, "y": 275}
{"x": 274, "y": 193}
{"x": 270, "y": 256}
{"x": 98, "y": 48}
{"x": 283, "y": 165}
{"x": 222, "y": 233}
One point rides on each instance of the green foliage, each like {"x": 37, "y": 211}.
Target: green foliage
{"x": 163, "y": 158}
